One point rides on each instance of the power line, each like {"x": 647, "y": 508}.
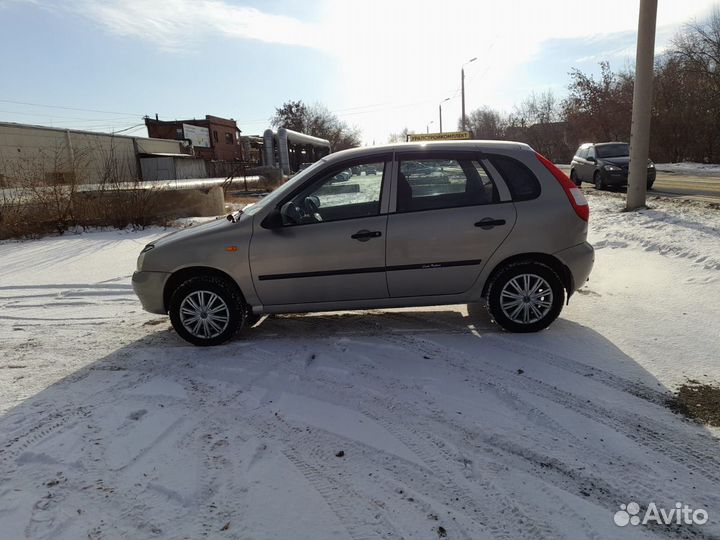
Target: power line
{"x": 73, "y": 119}
{"x": 68, "y": 108}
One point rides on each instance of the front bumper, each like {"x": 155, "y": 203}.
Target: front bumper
{"x": 620, "y": 178}
{"x": 149, "y": 287}
{"x": 579, "y": 260}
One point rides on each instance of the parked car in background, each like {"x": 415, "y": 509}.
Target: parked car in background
{"x": 501, "y": 225}
{"x": 605, "y": 165}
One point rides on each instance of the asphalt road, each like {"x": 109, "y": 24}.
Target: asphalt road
{"x": 668, "y": 184}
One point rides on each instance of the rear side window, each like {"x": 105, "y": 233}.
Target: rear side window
{"x": 433, "y": 184}
{"x": 520, "y": 180}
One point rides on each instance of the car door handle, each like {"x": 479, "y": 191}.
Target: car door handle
{"x": 489, "y": 223}
{"x": 364, "y": 236}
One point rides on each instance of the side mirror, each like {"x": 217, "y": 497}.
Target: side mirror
{"x": 312, "y": 204}
{"x": 290, "y": 213}
{"x": 273, "y": 220}
{"x": 591, "y": 159}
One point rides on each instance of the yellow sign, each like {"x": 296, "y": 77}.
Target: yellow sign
{"x": 447, "y": 136}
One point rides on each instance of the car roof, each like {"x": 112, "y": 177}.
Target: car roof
{"x": 419, "y": 146}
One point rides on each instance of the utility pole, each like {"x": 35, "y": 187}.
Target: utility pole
{"x": 642, "y": 106}
{"x": 440, "y": 110}
{"x": 427, "y": 126}
{"x": 462, "y": 90}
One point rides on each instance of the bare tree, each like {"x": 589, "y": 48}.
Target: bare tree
{"x": 399, "y": 137}
{"x": 485, "y": 123}
{"x": 318, "y": 121}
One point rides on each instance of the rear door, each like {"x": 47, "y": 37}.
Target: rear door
{"x": 336, "y": 249}
{"x": 449, "y": 218}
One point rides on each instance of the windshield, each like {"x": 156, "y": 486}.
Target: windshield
{"x": 288, "y": 186}
{"x": 612, "y": 150}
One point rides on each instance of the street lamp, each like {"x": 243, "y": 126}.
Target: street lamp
{"x": 440, "y": 109}
{"x": 427, "y": 126}
{"x": 462, "y": 89}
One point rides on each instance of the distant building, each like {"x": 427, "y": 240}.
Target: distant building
{"x": 49, "y": 155}
{"x": 212, "y": 138}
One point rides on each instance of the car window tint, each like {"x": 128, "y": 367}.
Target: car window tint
{"x": 520, "y": 180}
{"x": 427, "y": 184}
{"x": 613, "y": 150}
{"x": 342, "y": 194}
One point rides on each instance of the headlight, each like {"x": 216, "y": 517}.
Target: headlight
{"x": 147, "y": 248}
{"x": 651, "y": 165}
{"x": 611, "y": 168}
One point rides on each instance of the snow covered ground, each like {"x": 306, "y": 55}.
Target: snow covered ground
{"x": 416, "y": 423}
{"x": 690, "y": 168}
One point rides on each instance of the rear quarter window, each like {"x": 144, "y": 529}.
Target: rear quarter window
{"x": 520, "y": 180}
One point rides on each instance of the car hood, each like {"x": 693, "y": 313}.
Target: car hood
{"x": 200, "y": 230}
{"x": 619, "y": 160}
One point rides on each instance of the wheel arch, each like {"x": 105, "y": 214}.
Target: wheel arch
{"x": 553, "y": 262}
{"x": 180, "y": 276}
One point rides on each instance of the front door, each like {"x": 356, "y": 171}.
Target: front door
{"x": 448, "y": 221}
{"x": 334, "y": 247}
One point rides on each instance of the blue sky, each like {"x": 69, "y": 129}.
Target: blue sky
{"x": 379, "y": 65}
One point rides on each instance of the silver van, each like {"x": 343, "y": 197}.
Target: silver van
{"x": 412, "y": 224}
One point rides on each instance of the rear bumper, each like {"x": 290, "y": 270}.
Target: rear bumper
{"x": 579, "y": 260}
{"x": 149, "y": 287}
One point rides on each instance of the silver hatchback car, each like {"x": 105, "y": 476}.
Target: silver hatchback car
{"x": 402, "y": 225}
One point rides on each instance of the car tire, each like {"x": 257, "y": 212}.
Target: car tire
{"x": 513, "y": 304}
{"x": 574, "y": 178}
{"x": 207, "y": 310}
{"x": 598, "y": 181}
{"x": 650, "y": 186}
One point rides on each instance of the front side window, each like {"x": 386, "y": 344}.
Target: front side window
{"x": 428, "y": 184}
{"x": 345, "y": 193}
{"x": 229, "y": 138}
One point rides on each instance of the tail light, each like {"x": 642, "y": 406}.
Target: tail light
{"x": 574, "y": 193}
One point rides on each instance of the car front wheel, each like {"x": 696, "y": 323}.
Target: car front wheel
{"x": 525, "y": 297}
{"x": 207, "y": 310}
{"x": 598, "y": 180}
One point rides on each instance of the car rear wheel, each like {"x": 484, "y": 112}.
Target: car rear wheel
{"x": 207, "y": 310}
{"x": 525, "y": 297}
{"x": 574, "y": 178}
{"x": 598, "y": 181}
{"x": 650, "y": 185}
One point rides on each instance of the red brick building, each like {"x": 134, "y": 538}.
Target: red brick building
{"x": 213, "y": 138}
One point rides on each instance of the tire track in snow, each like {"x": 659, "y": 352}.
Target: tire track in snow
{"x": 663, "y": 438}
{"x": 494, "y": 501}
{"x": 361, "y": 518}
{"x": 674, "y": 448}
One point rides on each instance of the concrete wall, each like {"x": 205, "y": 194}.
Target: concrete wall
{"x": 171, "y": 168}
{"x": 42, "y": 154}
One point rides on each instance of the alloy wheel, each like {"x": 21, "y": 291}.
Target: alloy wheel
{"x": 204, "y": 314}
{"x": 526, "y": 298}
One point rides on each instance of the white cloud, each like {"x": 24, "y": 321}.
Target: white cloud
{"x": 174, "y": 25}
